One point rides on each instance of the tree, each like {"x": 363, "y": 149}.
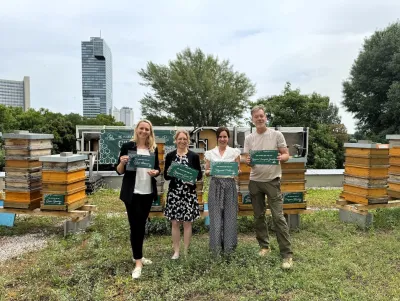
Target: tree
{"x": 372, "y": 92}
{"x": 326, "y": 135}
{"x": 195, "y": 89}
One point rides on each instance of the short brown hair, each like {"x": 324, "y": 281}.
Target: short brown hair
{"x": 257, "y": 108}
{"x": 223, "y": 129}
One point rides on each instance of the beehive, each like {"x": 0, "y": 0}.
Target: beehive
{"x": 23, "y": 169}
{"x": 366, "y": 173}
{"x": 394, "y": 166}
{"x": 161, "y": 148}
{"x": 292, "y": 184}
{"x": 63, "y": 182}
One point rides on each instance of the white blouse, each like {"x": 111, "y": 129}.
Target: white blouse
{"x": 229, "y": 155}
{"x": 143, "y": 179}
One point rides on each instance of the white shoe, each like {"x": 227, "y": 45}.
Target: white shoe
{"x": 146, "y": 261}
{"x": 175, "y": 257}
{"x": 287, "y": 263}
{"x": 136, "y": 272}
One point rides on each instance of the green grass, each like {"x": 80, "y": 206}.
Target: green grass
{"x": 333, "y": 261}
{"x": 322, "y": 198}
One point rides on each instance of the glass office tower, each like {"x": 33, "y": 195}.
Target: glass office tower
{"x": 96, "y": 78}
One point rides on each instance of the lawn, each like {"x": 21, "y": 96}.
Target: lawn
{"x": 333, "y": 261}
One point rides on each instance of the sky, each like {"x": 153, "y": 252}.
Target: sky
{"x": 311, "y": 44}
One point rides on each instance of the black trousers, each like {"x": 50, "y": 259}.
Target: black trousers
{"x": 138, "y": 212}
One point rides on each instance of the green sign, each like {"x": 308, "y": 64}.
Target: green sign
{"x": 219, "y": 168}
{"x": 110, "y": 144}
{"x": 157, "y": 202}
{"x": 246, "y": 199}
{"x": 183, "y": 172}
{"x": 264, "y": 157}
{"x": 111, "y": 141}
{"x": 292, "y": 197}
{"x": 53, "y": 199}
{"x": 140, "y": 161}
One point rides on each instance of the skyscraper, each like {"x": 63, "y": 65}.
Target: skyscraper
{"x": 96, "y": 77}
{"x": 126, "y": 116}
{"x": 116, "y": 114}
{"x": 15, "y": 93}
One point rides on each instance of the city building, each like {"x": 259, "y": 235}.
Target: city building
{"x": 15, "y": 93}
{"x": 96, "y": 78}
{"x": 126, "y": 116}
{"x": 116, "y": 114}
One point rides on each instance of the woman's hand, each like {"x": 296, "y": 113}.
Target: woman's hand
{"x": 207, "y": 172}
{"x": 153, "y": 173}
{"x": 124, "y": 160}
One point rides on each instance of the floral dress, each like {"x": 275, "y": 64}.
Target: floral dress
{"x": 182, "y": 204}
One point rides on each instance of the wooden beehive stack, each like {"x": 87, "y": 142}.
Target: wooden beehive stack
{"x": 200, "y": 184}
{"x": 63, "y": 181}
{"x": 366, "y": 173}
{"x": 23, "y": 169}
{"x": 159, "y": 204}
{"x": 394, "y": 167}
{"x": 293, "y": 185}
{"x": 243, "y": 185}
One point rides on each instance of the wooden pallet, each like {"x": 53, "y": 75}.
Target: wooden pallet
{"x": 363, "y": 209}
{"x": 76, "y": 215}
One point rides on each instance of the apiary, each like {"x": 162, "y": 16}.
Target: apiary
{"x": 23, "y": 179}
{"x": 366, "y": 173}
{"x": 63, "y": 181}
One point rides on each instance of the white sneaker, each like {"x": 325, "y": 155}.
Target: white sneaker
{"x": 287, "y": 263}
{"x": 136, "y": 273}
{"x": 175, "y": 257}
{"x": 146, "y": 261}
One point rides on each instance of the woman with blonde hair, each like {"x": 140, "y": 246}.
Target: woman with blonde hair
{"x": 139, "y": 188}
{"x": 182, "y": 205}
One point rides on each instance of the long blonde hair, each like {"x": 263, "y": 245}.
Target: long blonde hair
{"x": 151, "y": 140}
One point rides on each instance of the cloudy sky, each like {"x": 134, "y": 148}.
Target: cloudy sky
{"x": 311, "y": 43}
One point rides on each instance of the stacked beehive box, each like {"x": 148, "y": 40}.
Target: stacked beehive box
{"x": 394, "y": 166}
{"x": 200, "y": 184}
{"x": 63, "y": 181}
{"x": 243, "y": 185}
{"x": 23, "y": 169}
{"x": 293, "y": 185}
{"x": 366, "y": 173}
{"x": 159, "y": 204}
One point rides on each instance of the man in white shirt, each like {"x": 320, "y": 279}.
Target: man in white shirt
{"x": 265, "y": 181}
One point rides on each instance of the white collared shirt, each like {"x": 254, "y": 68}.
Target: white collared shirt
{"x": 230, "y": 154}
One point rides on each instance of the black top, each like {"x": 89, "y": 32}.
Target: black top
{"x": 194, "y": 162}
{"x": 128, "y": 182}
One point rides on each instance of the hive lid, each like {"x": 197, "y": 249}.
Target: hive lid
{"x": 27, "y": 135}
{"x": 367, "y": 145}
{"x": 63, "y": 157}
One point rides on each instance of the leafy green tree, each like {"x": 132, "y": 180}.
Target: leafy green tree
{"x": 327, "y": 134}
{"x": 195, "y": 89}
{"x": 372, "y": 92}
